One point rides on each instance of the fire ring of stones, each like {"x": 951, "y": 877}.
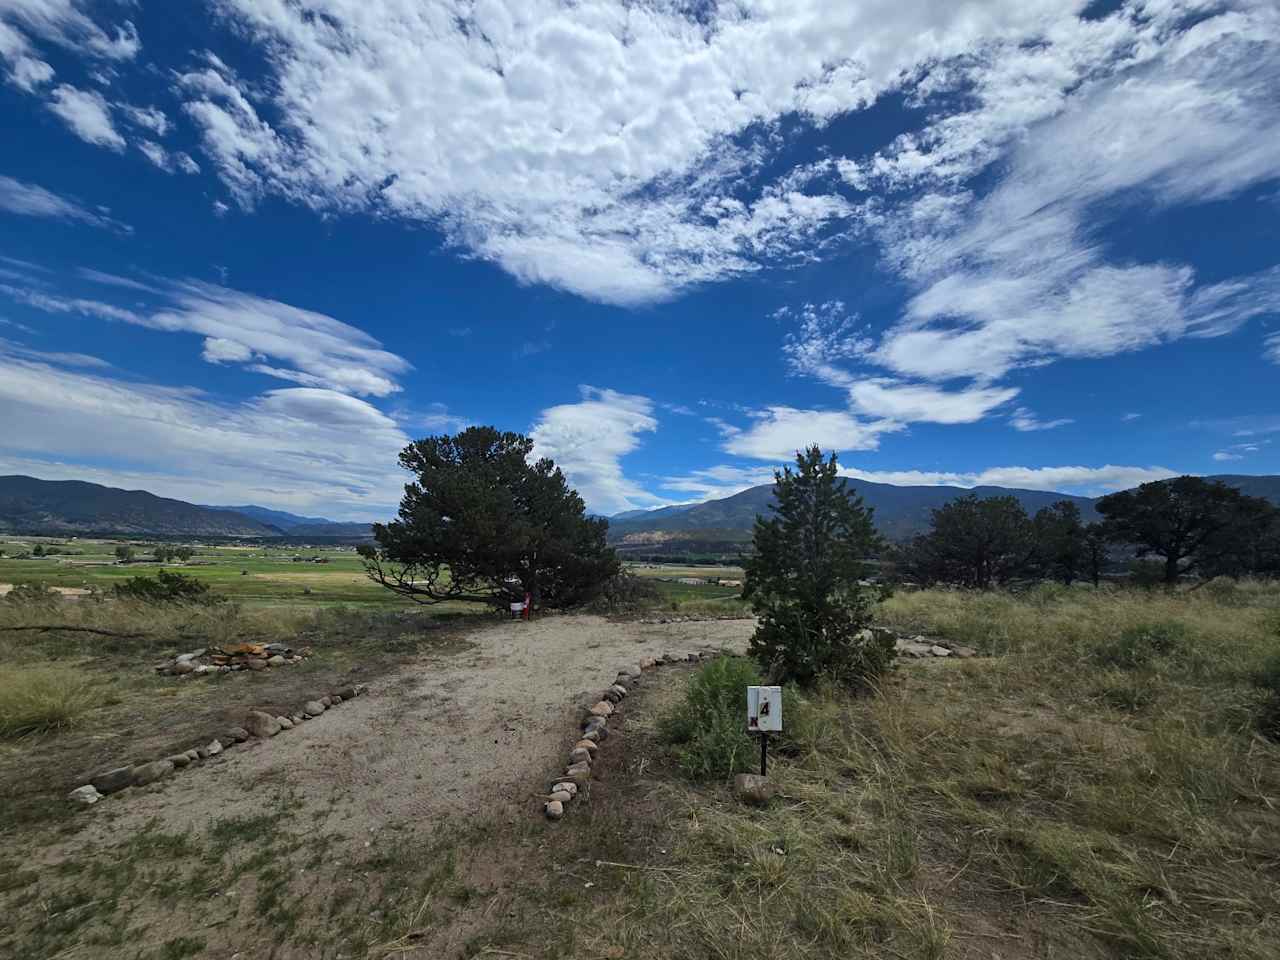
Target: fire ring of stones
{"x": 595, "y": 730}
{"x": 257, "y": 725}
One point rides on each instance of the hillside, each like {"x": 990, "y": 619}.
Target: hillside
{"x": 900, "y": 512}
{"x": 29, "y": 505}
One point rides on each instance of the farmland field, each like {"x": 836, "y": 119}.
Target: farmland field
{"x": 263, "y": 574}
{"x": 252, "y": 574}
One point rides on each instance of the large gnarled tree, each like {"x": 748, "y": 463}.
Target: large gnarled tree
{"x": 1193, "y": 524}
{"x": 484, "y": 523}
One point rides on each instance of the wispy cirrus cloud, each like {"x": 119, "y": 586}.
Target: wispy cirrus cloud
{"x": 267, "y": 336}
{"x": 32, "y": 200}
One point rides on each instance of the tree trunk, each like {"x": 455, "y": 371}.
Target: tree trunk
{"x": 1171, "y": 569}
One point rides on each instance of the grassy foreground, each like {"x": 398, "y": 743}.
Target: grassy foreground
{"x": 1098, "y": 790}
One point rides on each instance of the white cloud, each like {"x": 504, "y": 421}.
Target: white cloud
{"x": 726, "y": 480}
{"x": 1026, "y": 421}
{"x": 291, "y": 448}
{"x": 1272, "y": 348}
{"x": 1130, "y": 417}
{"x": 65, "y": 23}
{"x": 166, "y": 161}
{"x": 1087, "y": 481}
{"x": 149, "y": 118}
{"x": 779, "y": 431}
{"x": 319, "y": 350}
{"x": 601, "y": 146}
{"x": 923, "y": 403}
{"x": 588, "y": 440}
{"x": 9, "y": 348}
{"x": 88, "y": 115}
{"x": 28, "y": 199}
{"x": 1227, "y": 455}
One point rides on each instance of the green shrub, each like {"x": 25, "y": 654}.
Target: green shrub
{"x": 1139, "y": 647}
{"x": 166, "y": 587}
{"x": 709, "y": 727}
{"x": 37, "y": 699}
{"x": 625, "y": 593}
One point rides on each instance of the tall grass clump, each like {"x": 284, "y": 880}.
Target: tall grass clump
{"x": 40, "y": 699}
{"x": 708, "y": 728}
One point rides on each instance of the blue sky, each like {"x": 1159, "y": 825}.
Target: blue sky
{"x": 249, "y": 252}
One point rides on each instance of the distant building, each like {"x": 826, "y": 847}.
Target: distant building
{"x": 730, "y": 583}
{"x": 691, "y": 581}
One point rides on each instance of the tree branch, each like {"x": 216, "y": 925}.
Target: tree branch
{"x": 72, "y": 629}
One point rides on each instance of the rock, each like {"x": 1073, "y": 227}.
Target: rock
{"x": 184, "y": 657}
{"x": 555, "y": 810}
{"x": 578, "y": 773}
{"x": 965, "y": 653}
{"x": 313, "y": 708}
{"x": 192, "y": 756}
{"x": 632, "y": 670}
{"x": 256, "y": 663}
{"x": 335, "y": 700}
{"x": 327, "y": 700}
{"x": 910, "y": 648}
{"x": 261, "y": 724}
{"x": 297, "y": 718}
{"x": 183, "y": 667}
{"x": 938, "y": 651}
{"x": 179, "y": 760}
{"x": 238, "y": 734}
{"x": 275, "y": 661}
{"x": 579, "y": 755}
{"x": 602, "y": 708}
{"x": 565, "y": 786}
{"x": 560, "y": 797}
{"x": 151, "y": 772}
{"x": 588, "y": 745}
{"x": 692, "y": 658}
{"x": 648, "y": 663}
{"x": 285, "y": 723}
{"x": 210, "y": 749}
{"x": 88, "y": 795}
{"x": 277, "y": 648}
{"x": 619, "y": 689}
{"x": 113, "y": 780}
{"x": 347, "y": 693}
{"x": 612, "y": 695}
{"x": 594, "y": 723}
{"x": 591, "y": 736}
{"x": 205, "y": 668}
{"x": 753, "y": 788}
{"x": 224, "y": 669}
{"x": 883, "y": 634}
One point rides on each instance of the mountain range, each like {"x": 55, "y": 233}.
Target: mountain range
{"x": 900, "y": 512}
{"x": 30, "y": 505}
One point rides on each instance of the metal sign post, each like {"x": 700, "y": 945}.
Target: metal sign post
{"x": 764, "y": 716}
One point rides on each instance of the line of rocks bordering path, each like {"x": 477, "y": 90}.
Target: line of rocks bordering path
{"x": 258, "y": 725}
{"x": 595, "y": 729}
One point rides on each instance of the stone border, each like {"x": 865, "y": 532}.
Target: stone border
{"x": 257, "y": 725}
{"x": 595, "y": 729}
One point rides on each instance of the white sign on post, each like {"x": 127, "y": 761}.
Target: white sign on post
{"x": 764, "y": 709}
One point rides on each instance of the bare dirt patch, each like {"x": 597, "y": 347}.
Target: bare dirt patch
{"x": 398, "y": 820}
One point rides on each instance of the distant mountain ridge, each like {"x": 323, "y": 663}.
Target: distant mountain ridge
{"x": 900, "y": 511}
{"x": 298, "y": 526}
{"x": 31, "y": 505}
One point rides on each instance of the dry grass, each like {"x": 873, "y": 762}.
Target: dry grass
{"x": 1098, "y": 791}
{"x": 40, "y": 699}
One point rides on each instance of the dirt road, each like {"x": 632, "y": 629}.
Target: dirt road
{"x": 477, "y": 728}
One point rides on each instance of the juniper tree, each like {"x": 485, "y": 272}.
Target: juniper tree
{"x": 481, "y": 522}
{"x": 803, "y": 579}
